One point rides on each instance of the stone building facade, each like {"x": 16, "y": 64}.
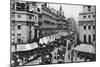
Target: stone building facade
{"x": 87, "y": 24}
{"x": 23, "y": 22}
{"x": 53, "y": 21}
{"x": 31, "y": 21}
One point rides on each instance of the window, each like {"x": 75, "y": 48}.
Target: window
{"x": 18, "y": 40}
{"x": 84, "y": 27}
{"x": 94, "y": 27}
{"x": 89, "y": 8}
{"x": 84, "y": 16}
{"x": 20, "y": 6}
{"x": 35, "y": 17}
{"x": 12, "y": 6}
{"x": 84, "y": 38}
{"x": 27, "y": 8}
{"x": 40, "y": 23}
{"x": 89, "y": 37}
{"x": 45, "y": 32}
{"x": 30, "y": 35}
{"x": 19, "y": 16}
{"x": 94, "y": 16}
{"x": 34, "y": 3}
{"x": 93, "y": 37}
{"x": 89, "y": 27}
{"x": 89, "y": 16}
{"x": 19, "y": 26}
{"x": 18, "y": 35}
{"x": 38, "y": 9}
{"x": 45, "y": 4}
{"x": 30, "y": 17}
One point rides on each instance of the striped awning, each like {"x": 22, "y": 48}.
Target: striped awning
{"x": 25, "y": 47}
{"x": 85, "y": 48}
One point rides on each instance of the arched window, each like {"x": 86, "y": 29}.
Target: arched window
{"x": 94, "y": 27}
{"x": 93, "y": 37}
{"x": 18, "y": 38}
{"x": 89, "y": 37}
{"x": 89, "y": 8}
{"x": 84, "y": 27}
{"x": 84, "y": 38}
{"x": 30, "y": 35}
{"x": 89, "y": 27}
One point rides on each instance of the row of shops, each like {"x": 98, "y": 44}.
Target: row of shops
{"x": 84, "y": 52}
{"x": 43, "y": 40}
{"x": 28, "y": 52}
{"x": 43, "y": 48}
{"x": 52, "y": 38}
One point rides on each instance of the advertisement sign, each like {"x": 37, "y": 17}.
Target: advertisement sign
{"x": 22, "y": 47}
{"x": 25, "y": 47}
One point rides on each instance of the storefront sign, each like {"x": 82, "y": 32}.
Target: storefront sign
{"x": 25, "y": 47}
{"x": 22, "y": 47}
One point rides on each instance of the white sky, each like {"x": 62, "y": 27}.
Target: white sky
{"x": 69, "y": 10}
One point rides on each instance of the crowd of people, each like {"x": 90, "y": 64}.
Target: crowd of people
{"x": 44, "y": 51}
{"x": 22, "y": 57}
{"x": 82, "y": 56}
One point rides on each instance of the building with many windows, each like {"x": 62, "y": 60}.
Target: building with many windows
{"x": 24, "y": 21}
{"x": 53, "y": 21}
{"x": 31, "y": 21}
{"x": 87, "y": 23}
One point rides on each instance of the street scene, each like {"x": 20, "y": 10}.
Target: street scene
{"x": 50, "y": 33}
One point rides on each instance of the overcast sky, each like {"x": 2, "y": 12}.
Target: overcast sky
{"x": 69, "y": 10}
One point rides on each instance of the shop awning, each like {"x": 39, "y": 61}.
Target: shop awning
{"x": 26, "y": 47}
{"x": 85, "y": 48}
{"x": 52, "y": 38}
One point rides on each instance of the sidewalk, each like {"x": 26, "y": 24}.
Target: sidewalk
{"x": 34, "y": 62}
{"x": 53, "y": 54}
{"x": 67, "y": 56}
